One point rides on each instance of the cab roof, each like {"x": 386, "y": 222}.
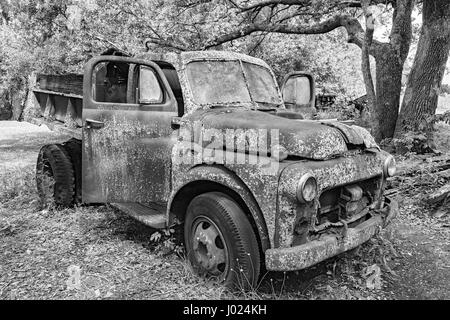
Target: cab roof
{"x": 179, "y": 60}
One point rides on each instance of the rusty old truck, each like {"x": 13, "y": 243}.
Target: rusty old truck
{"x": 209, "y": 142}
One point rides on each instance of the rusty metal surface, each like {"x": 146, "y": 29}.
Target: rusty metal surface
{"x": 275, "y": 194}
{"x": 331, "y": 173}
{"x": 180, "y": 60}
{"x": 257, "y": 188}
{"x": 152, "y": 215}
{"x": 65, "y": 108}
{"x": 135, "y": 157}
{"x": 351, "y": 136}
{"x": 128, "y": 159}
{"x": 185, "y": 174}
{"x": 307, "y": 139}
{"x": 301, "y": 138}
{"x": 303, "y": 256}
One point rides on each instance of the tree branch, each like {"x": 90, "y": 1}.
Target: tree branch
{"x": 401, "y": 31}
{"x": 271, "y": 2}
{"x": 164, "y": 43}
{"x": 353, "y": 27}
{"x": 304, "y": 3}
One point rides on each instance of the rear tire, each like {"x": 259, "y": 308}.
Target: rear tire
{"x": 73, "y": 148}
{"x": 220, "y": 241}
{"x": 55, "y": 176}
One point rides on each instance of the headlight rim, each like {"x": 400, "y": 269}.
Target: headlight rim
{"x": 301, "y": 185}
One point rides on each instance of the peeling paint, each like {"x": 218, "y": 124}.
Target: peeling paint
{"x": 331, "y": 173}
{"x": 306, "y": 255}
{"x": 128, "y": 160}
{"x": 301, "y": 138}
{"x": 137, "y": 156}
{"x": 184, "y": 174}
{"x": 180, "y": 60}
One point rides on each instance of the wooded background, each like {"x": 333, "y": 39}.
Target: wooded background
{"x": 385, "y": 48}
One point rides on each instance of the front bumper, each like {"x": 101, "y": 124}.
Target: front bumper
{"x": 306, "y": 255}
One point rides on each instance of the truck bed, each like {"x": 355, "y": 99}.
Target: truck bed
{"x": 58, "y": 101}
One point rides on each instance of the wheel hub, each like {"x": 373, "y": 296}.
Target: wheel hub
{"x": 209, "y": 247}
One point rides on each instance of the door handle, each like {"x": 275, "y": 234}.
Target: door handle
{"x": 175, "y": 123}
{"x": 94, "y": 124}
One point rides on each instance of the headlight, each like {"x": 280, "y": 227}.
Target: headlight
{"x": 306, "y": 188}
{"x": 389, "y": 167}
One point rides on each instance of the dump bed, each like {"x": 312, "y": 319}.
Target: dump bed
{"x": 57, "y": 101}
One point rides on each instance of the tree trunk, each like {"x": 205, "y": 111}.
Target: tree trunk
{"x": 390, "y": 58}
{"x": 388, "y": 86}
{"x": 425, "y": 79}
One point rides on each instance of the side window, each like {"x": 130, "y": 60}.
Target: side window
{"x": 149, "y": 89}
{"x": 110, "y": 80}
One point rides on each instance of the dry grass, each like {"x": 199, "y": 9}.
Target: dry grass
{"x": 114, "y": 252}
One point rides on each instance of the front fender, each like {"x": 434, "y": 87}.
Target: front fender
{"x": 228, "y": 179}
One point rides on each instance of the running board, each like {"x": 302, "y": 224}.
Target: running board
{"x": 152, "y": 215}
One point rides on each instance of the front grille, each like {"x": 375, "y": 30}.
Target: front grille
{"x": 335, "y": 204}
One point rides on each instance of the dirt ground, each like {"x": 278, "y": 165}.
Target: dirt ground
{"x": 41, "y": 251}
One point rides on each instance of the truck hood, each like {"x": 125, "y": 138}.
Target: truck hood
{"x": 304, "y": 138}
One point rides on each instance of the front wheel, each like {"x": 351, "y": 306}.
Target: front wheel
{"x": 220, "y": 241}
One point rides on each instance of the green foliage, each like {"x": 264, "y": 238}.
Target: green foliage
{"x": 166, "y": 241}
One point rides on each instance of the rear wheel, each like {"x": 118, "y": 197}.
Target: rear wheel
{"x": 54, "y": 176}
{"x": 73, "y": 148}
{"x": 220, "y": 241}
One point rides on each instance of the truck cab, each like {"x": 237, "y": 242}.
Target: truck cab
{"x": 207, "y": 141}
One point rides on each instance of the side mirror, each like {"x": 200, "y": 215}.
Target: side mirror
{"x": 299, "y": 92}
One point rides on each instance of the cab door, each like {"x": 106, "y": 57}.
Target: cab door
{"x": 128, "y": 108}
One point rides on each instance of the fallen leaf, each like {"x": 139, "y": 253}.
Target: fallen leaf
{"x": 373, "y": 274}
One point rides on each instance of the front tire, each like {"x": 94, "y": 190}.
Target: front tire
{"x": 220, "y": 241}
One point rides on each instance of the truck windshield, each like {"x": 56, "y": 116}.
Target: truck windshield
{"x": 228, "y": 82}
